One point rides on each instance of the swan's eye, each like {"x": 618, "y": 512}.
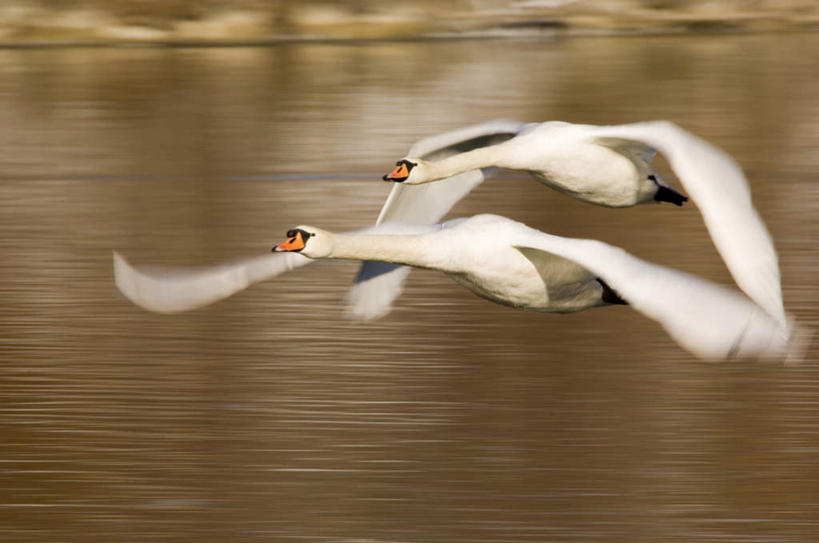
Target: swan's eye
{"x": 651, "y": 177}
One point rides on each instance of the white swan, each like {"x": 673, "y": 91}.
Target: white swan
{"x": 509, "y": 263}
{"x": 606, "y": 165}
{"x": 606, "y": 171}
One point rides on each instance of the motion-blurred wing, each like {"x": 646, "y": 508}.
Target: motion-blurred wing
{"x": 710, "y": 321}
{"x": 378, "y": 284}
{"x": 177, "y": 290}
{"x": 716, "y": 183}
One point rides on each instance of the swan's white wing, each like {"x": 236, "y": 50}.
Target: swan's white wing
{"x": 177, "y": 290}
{"x": 716, "y": 183}
{"x": 378, "y": 284}
{"x": 375, "y": 288}
{"x": 708, "y": 320}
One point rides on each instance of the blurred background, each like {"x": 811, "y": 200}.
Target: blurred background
{"x": 264, "y": 20}
{"x": 269, "y": 417}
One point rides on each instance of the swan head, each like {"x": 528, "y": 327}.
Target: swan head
{"x": 310, "y": 241}
{"x": 408, "y": 170}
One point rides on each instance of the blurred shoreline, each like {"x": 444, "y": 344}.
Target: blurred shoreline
{"x": 248, "y": 22}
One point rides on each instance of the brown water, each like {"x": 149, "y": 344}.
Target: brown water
{"x": 268, "y": 417}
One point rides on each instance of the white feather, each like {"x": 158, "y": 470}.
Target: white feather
{"x": 174, "y": 290}
{"x": 709, "y": 320}
{"x": 717, "y": 185}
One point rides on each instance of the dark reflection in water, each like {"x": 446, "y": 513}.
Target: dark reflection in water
{"x": 268, "y": 417}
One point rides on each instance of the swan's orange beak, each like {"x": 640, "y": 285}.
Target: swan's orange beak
{"x": 294, "y": 243}
{"x": 400, "y": 173}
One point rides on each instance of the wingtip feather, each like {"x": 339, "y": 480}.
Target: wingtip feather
{"x": 372, "y": 298}
{"x": 128, "y": 280}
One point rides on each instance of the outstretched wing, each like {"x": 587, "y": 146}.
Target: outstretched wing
{"x": 177, "y": 290}
{"x": 719, "y": 188}
{"x": 708, "y": 320}
{"x": 378, "y": 284}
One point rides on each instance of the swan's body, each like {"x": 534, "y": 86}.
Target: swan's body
{"x": 607, "y": 165}
{"x": 509, "y": 263}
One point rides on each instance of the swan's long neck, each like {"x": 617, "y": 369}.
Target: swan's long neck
{"x": 483, "y": 157}
{"x": 412, "y": 250}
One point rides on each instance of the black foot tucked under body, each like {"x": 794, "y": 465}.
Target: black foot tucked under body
{"x": 667, "y": 194}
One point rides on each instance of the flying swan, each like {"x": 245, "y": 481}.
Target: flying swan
{"x": 605, "y": 165}
{"x": 508, "y": 263}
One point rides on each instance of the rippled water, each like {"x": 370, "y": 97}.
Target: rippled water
{"x": 268, "y": 417}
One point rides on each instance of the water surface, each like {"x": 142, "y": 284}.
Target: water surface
{"x": 269, "y": 417}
